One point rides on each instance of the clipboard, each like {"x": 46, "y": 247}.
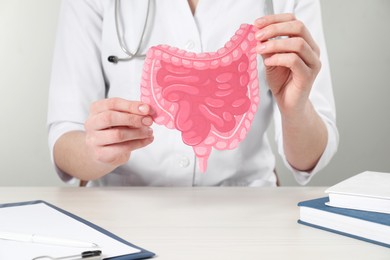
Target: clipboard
{"x": 12, "y": 213}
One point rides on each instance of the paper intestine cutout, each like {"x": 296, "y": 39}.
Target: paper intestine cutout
{"x": 211, "y": 97}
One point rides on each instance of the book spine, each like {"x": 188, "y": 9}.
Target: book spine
{"x": 344, "y": 234}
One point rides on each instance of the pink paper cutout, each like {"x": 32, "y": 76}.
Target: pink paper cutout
{"x": 210, "y": 97}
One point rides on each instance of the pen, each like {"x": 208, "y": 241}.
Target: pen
{"x": 83, "y": 255}
{"x": 34, "y": 238}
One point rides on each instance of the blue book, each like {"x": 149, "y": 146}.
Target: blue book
{"x": 364, "y": 225}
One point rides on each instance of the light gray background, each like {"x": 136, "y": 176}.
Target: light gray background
{"x": 358, "y": 39}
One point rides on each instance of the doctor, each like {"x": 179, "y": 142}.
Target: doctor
{"x": 99, "y": 130}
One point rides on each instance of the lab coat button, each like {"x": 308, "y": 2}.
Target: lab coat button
{"x": 184, "y": 162}
{"x": 190, "y": 45}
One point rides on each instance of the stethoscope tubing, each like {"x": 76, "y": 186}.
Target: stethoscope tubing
{"x": 130, "y": 55}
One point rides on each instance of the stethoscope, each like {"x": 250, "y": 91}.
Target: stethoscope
{"x": 268, "y": 9}
{"x": 130, "y": 55}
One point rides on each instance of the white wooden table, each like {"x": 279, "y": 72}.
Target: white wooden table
{"x": 205, "y": 223}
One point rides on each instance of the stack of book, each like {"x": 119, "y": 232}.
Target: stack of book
{"x": 357, "y": 207}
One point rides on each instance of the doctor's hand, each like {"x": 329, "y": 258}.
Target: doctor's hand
{"x": 291, "y": 59}
{"x": 116, "y": 127}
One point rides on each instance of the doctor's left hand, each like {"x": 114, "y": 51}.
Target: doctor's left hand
{"x": 292, "y": 63}
{"x": 291, "y": 59}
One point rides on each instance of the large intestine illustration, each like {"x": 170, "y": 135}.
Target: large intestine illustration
{"x": 210, "y": 97}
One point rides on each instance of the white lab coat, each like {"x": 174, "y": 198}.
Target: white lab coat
{"x": 81, "y": 75}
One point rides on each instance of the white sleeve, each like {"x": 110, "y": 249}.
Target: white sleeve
{"x": 321, "y": 96}
{"x": 77, "y": 78}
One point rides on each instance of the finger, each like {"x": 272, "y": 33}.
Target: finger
{"x": 300, "y": 71}
{"x": 122, "y": 105}
{"x": 118, "y": 135}
{"x": 118, "y": 154}
{"x": 288, "y": 60}
{"x": 273, "y": 18}
{"x": 108, "y": 119}
{"x": 295, "y": 45}
{"x": 285, "y": 27}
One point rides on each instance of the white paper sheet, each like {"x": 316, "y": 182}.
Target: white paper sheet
{"x": 41, "y": 219}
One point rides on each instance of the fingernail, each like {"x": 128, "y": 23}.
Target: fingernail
{"x": 259, "y": 34}
{"x": 150, "y": 139}
{"x": 150, "y": 131}
{"x": 260, "y": 47}
{"x": 260, "y": 21}
{"x": 143, "y": 109}
{"x": 147, "y": 121}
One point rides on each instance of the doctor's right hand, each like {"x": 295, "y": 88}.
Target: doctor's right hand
{"x": 116, "y": 127}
